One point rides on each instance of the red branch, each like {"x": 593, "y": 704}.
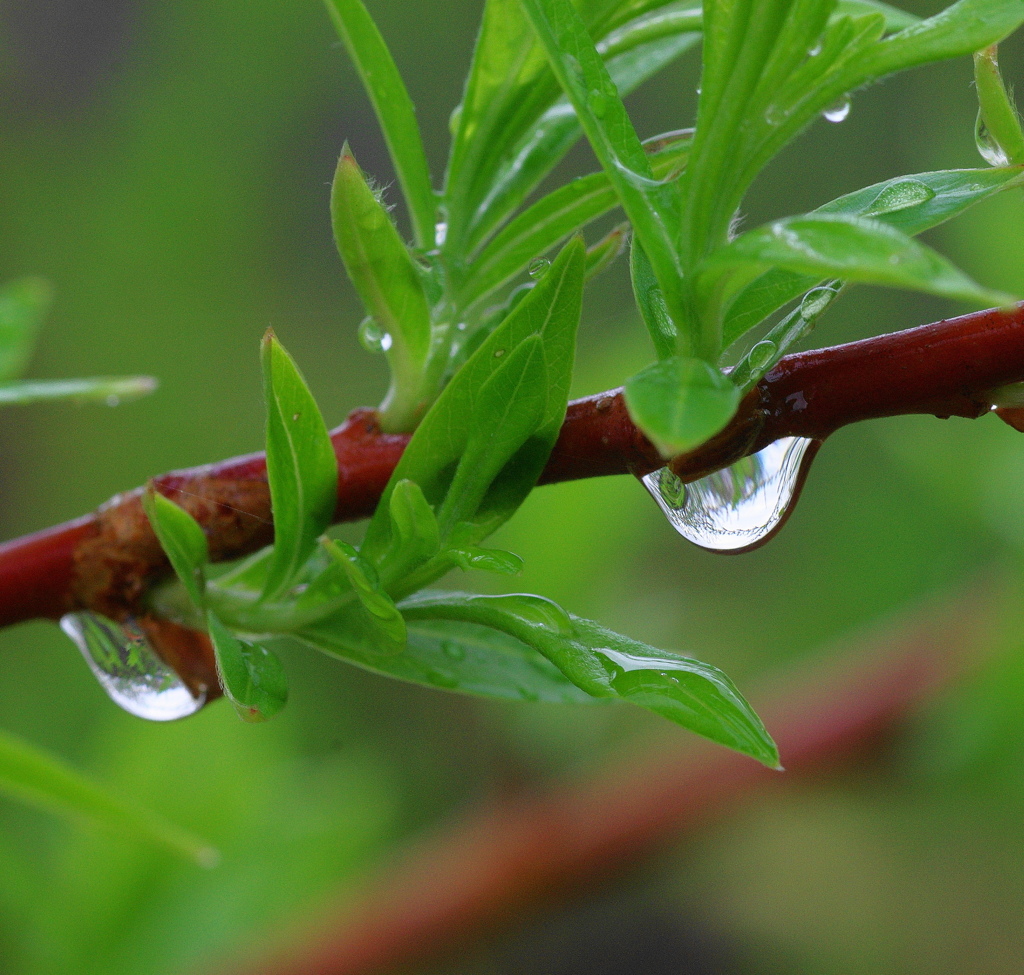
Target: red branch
{"x": 107, "y": 561}
{"x": 489, "y": 870}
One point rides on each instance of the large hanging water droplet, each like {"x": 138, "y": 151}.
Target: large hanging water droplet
{"x": 128, "y": 668}
{"x": 901, "y": 195}
{"x": 739, "y": 507}
{"x": 990, "y": 150}
{"x": 372, "y": 337}
{"x": 838, "y": 111}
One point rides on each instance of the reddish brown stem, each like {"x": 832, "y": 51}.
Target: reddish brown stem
{"x": 107, "y": 561}
{"x": 490, "y": 869}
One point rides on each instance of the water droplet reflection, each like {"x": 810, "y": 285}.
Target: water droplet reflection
{"x": 128, "y": 668}
{"x": 838, "y": 111}
{"x": 990, "y": 150}
{"x": 739, "y": 507}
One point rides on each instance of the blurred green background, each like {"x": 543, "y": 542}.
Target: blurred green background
{"x": 167, "y": 167}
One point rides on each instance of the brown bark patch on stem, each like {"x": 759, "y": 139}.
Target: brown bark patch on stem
{"x": 115, "y": 566}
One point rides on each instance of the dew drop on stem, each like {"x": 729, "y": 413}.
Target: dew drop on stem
{"x": 129, "y": 669}
{"x": 538, "y": 266}
{"x": 990, "y": 150}
{"x": 739, "y": 507}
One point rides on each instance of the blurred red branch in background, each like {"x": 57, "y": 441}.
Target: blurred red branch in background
{"x": 107, "y": 561}
{"x": 489, "y": 870}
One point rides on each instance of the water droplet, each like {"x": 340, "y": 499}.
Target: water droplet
{"x": 598, "y": 102}
{"x": 538, "y": 266}
{"x": 990, "y": 150}
{"x": 901, "y": 195}
{"x": 775, "y": 115}
{"x": 498, "y": 353}
{"x": 113, "y": 400}
{"x": 816, "y": 301}
{"x": 128, "y": 668}
{"x": 739, "y": 507}
{"x": 372, "y": 337}
{"x": 838, "y": 111}
{"x": 814, "y": 51}
{"x": 440, "y": 233}
{"x": 761, "y": 354}
{"x": 454, "y": 650}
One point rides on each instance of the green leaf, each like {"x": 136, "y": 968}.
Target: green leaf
{"x": 835, "y": 245}
{"x": 680, "y": 403}
{"x": 111, "y": 390}
{"x": 651, "y": 206}
{"x": 763, "y": 355}
{"x": 554, "y": 217}
{"x": 960, "y": 29}
{"x": 391, "y": 288}
{"x": 45, "y": 781}
{"x": 394, "y": 109}
{"x": 301, "y": 467}
{"x": 182, "y": 539}
{"x": 545, "y": 142}
{"x": 750, "y": 47}
{"x": 604, "y": 664}
{"x": 481, "y": 447}
{"x": 912, "y": 204}
{"x": 385, "y": 622}
{"x": 251, "y": 675}
{"x": 415, "y": 535}
{"x": 453, "y": 656}
{"x": 650, "y": 300}
{"x": 998, "y": 132}
{"x": 23, "y": 306}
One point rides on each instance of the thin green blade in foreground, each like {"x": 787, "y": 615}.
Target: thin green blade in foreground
{"x": 604, "y": 664}
{"x": 110, "y": 390}
{"x": 44, "y": 781}
{"x": 301, "y": 467}
{"x": 394, "y": 109}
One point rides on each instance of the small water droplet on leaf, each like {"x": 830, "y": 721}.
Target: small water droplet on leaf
{"x": 901, "y": 195}
{"x": 739, "y": 507}
{"x": 538, "y": 266}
